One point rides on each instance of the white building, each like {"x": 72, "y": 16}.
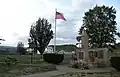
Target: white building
{"x": 49, "y": 50}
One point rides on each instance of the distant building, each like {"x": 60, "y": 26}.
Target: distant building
{"x": 49, "y": 50}
{"x": 62, "y": 52}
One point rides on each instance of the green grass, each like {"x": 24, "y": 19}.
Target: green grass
{"x": 17, "y": 70}
{"x": 117, "y": 50}
{"x": 23, "y": 67}
{"x": 23, "y": 58}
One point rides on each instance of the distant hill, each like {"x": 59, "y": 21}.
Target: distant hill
{"x": 66, "y": 47}
{"x": 8, "y": 49}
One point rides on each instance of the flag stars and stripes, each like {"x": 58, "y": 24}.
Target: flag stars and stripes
{"x": 60, "y": 16}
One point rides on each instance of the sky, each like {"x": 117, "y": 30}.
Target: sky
{"x": 16, "y": 17}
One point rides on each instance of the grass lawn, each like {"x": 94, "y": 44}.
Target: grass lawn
{"x": 117, "y": 50}
{"x": 23, "y": 58}
{"x": 23, "y": 67}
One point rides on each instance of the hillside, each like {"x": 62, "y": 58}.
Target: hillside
{"x": 67, "y": 47}
{"x": 7, "y": 49}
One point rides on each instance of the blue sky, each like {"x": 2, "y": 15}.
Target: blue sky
{"x": 16, "y": 17}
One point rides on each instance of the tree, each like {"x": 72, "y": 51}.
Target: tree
{"x": 2, "y": 40}
{"x": 40, "y": 35}
{"x": 100, "y": 26}
{"x": 20, "y": 48}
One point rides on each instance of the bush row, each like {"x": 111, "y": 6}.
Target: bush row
{"x": 53, "y": 58}
{"x": 115, "y": 62}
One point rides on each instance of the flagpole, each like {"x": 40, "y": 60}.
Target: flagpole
{"x": 55, "y": 32}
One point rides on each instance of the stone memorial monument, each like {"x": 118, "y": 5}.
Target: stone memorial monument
{"x": 98, "y": 57}
{"x": 85, "y": 44}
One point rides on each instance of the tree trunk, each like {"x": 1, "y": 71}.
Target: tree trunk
{"x": 41, "y": 57}
{"x": 31, "y": 58}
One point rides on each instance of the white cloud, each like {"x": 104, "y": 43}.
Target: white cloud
{"x": 16, "y": 17}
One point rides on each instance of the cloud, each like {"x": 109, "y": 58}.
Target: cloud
{"x": 17, "y": 16}
{"x": 15, "y": 34}
{"x": 69, "y": 29}
{"x": 82, "y": 4}
{"x": 23, "y": 39}
{"x": 61, "y": 41}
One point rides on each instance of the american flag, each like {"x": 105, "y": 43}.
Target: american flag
{"x": 60, "y": 16}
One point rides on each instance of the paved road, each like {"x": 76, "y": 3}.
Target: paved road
{"x": 62, "y": 69}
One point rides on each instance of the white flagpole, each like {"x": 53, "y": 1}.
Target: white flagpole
{"x": 55, "y": 32}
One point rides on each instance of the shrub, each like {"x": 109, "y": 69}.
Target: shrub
{"x": 53, "y": 58}
{"x": 10, "y": 61}
{"x": 80, "y": 65}
{"x": 115, "y": 62}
